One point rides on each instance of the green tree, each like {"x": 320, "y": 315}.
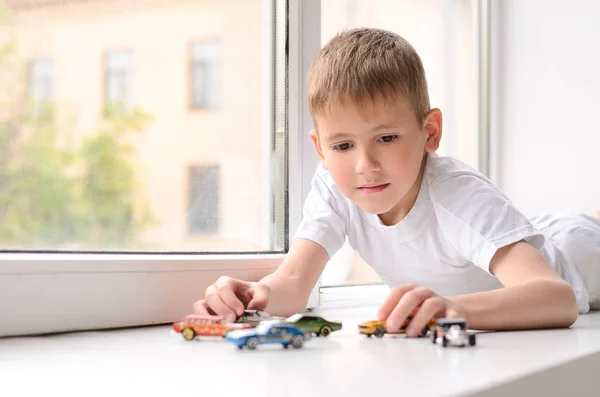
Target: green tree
{"x": 111, "y": 211}
{"x": 53, "y": 196}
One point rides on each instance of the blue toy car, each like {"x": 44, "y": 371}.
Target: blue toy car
{"x": 269, "y": 333}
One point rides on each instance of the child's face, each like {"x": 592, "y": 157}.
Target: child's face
{"x": 374, "y": 154}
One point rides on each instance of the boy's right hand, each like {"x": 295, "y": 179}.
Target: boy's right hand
{"x": 229, "y": 297}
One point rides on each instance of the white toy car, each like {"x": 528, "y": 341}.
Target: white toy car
{"x": 452, "y": 332}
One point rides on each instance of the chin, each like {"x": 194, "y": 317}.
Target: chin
{"x": 375, "y": 209}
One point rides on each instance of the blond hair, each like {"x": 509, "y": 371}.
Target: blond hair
{"x": 365, "y": 64}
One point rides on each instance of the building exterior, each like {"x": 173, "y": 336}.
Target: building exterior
{"x": 195, "y": 68}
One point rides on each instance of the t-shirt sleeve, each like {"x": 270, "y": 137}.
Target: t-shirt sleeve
{"x": 477, "y": 220}
{"x": 322, "y": 221}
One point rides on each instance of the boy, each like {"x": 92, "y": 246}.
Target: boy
{"x": 435, "y": 230}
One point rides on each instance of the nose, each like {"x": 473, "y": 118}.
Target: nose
{"x": 367, "y": 162}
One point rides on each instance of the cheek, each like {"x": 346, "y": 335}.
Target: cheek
{"x": 404, "y": 163}
{"x": 340, "y": 170}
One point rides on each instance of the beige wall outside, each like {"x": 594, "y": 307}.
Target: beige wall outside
{"x": 77, "y": 35}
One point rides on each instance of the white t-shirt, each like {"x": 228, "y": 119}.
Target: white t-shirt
{"x": 446, "y": 241}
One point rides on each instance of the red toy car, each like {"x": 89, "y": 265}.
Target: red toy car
{"x": 202, "y": 325}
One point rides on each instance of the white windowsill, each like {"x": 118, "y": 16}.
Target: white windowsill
{"x": 44, "y": 293}
{"x": 155, "y": 361}
{"x": 333, "y": 297}
{"x": 41, "y": 263}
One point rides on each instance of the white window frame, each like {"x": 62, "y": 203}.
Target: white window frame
{"x": 56, "y": 292}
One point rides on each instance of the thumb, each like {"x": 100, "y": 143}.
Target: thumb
{"x": 260, "y": 297}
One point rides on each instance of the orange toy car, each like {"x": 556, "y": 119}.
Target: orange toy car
{"x": 378, "y": 328}
{"x": 202, "y": 325}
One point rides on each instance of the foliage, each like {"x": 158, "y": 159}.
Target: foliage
{"x": 55, "y": 195}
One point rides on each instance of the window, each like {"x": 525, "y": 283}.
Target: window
{"x": 121, "y": 164}
{"x": 203, "y": 215}
{"x": 206, "y": 75}
{"x": 39, "y": 87}
{"x": 114, "y": 211}
{"x": 118, "y": 79}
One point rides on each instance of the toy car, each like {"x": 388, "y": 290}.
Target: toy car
{"x": 316, "y": 324}
{"x": 378, "y": 328}
{"x": 195, "y": 324}
{"x": 452, "y": 332}
{"x": 285, "y": 334}
{"x": 255, "y": 317}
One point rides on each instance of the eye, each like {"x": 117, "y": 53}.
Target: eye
{"x": 342, "y": 147}
{"x": 388, "y": 138}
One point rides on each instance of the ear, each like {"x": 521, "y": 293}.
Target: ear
{"x": 432, "y": 126}
{"x": 314, "y": 137}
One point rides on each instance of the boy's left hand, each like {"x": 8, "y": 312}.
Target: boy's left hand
{"x": 422, "y": 303}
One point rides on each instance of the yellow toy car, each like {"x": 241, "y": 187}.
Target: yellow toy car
{"x": 378, "y": 328}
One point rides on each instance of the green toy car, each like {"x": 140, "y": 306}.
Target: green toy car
{"x": 315, "y": 324}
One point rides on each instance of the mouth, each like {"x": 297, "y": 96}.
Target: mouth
{"x": 373, "y": 188}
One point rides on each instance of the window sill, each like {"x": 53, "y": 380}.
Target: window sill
{"x": 352, "y": 295}
{"x": 156, "y": 361}
{"x": 45, "y": 293}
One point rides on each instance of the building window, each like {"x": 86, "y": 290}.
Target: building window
{"x": 39, "y": 88}
{"x": 203, "y": 212}
{"x": 205, "y": 75}
{"x": 118, "y": 80}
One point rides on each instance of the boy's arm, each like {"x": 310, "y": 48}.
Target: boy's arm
{"x": 282, "y": 293}
{"x": 534, "y": 295}
{"x": 291, "y": 284}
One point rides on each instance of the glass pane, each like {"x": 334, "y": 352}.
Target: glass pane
{"x": 162, "y": 129}
{"x": 39, "y": 89}
{"x": 118, "y": 78}
{"x": 40, "y": 79}
{"x": 203, "y": 216}
{"x": 206, "y": 75}
{"x": 442, "y": 32}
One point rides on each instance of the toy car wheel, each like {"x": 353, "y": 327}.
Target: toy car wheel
{"x": 444, "y": 341}
{"x": 251, "y": 343}
{"x": 297, "y": 341}
{"x": 325, "y": 330}
{"x": 424, "y": 331}
{"x": 472, "y": 340}
{"x": 379, "y": 332}
{"x": 286, "y": 345}
{"x": 188, "y": 333}
{"x": 433, "y": 336}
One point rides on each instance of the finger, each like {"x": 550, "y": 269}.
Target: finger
{"x": 216, "y": 304}
{"x": 392, "y": 300}
{"x": 407, "y": 304}
{"x": 429, "y": 309}
{"x": 260, "y": 297}
{"x": 201, "y": 308}
{"x": 225, "y": 289}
